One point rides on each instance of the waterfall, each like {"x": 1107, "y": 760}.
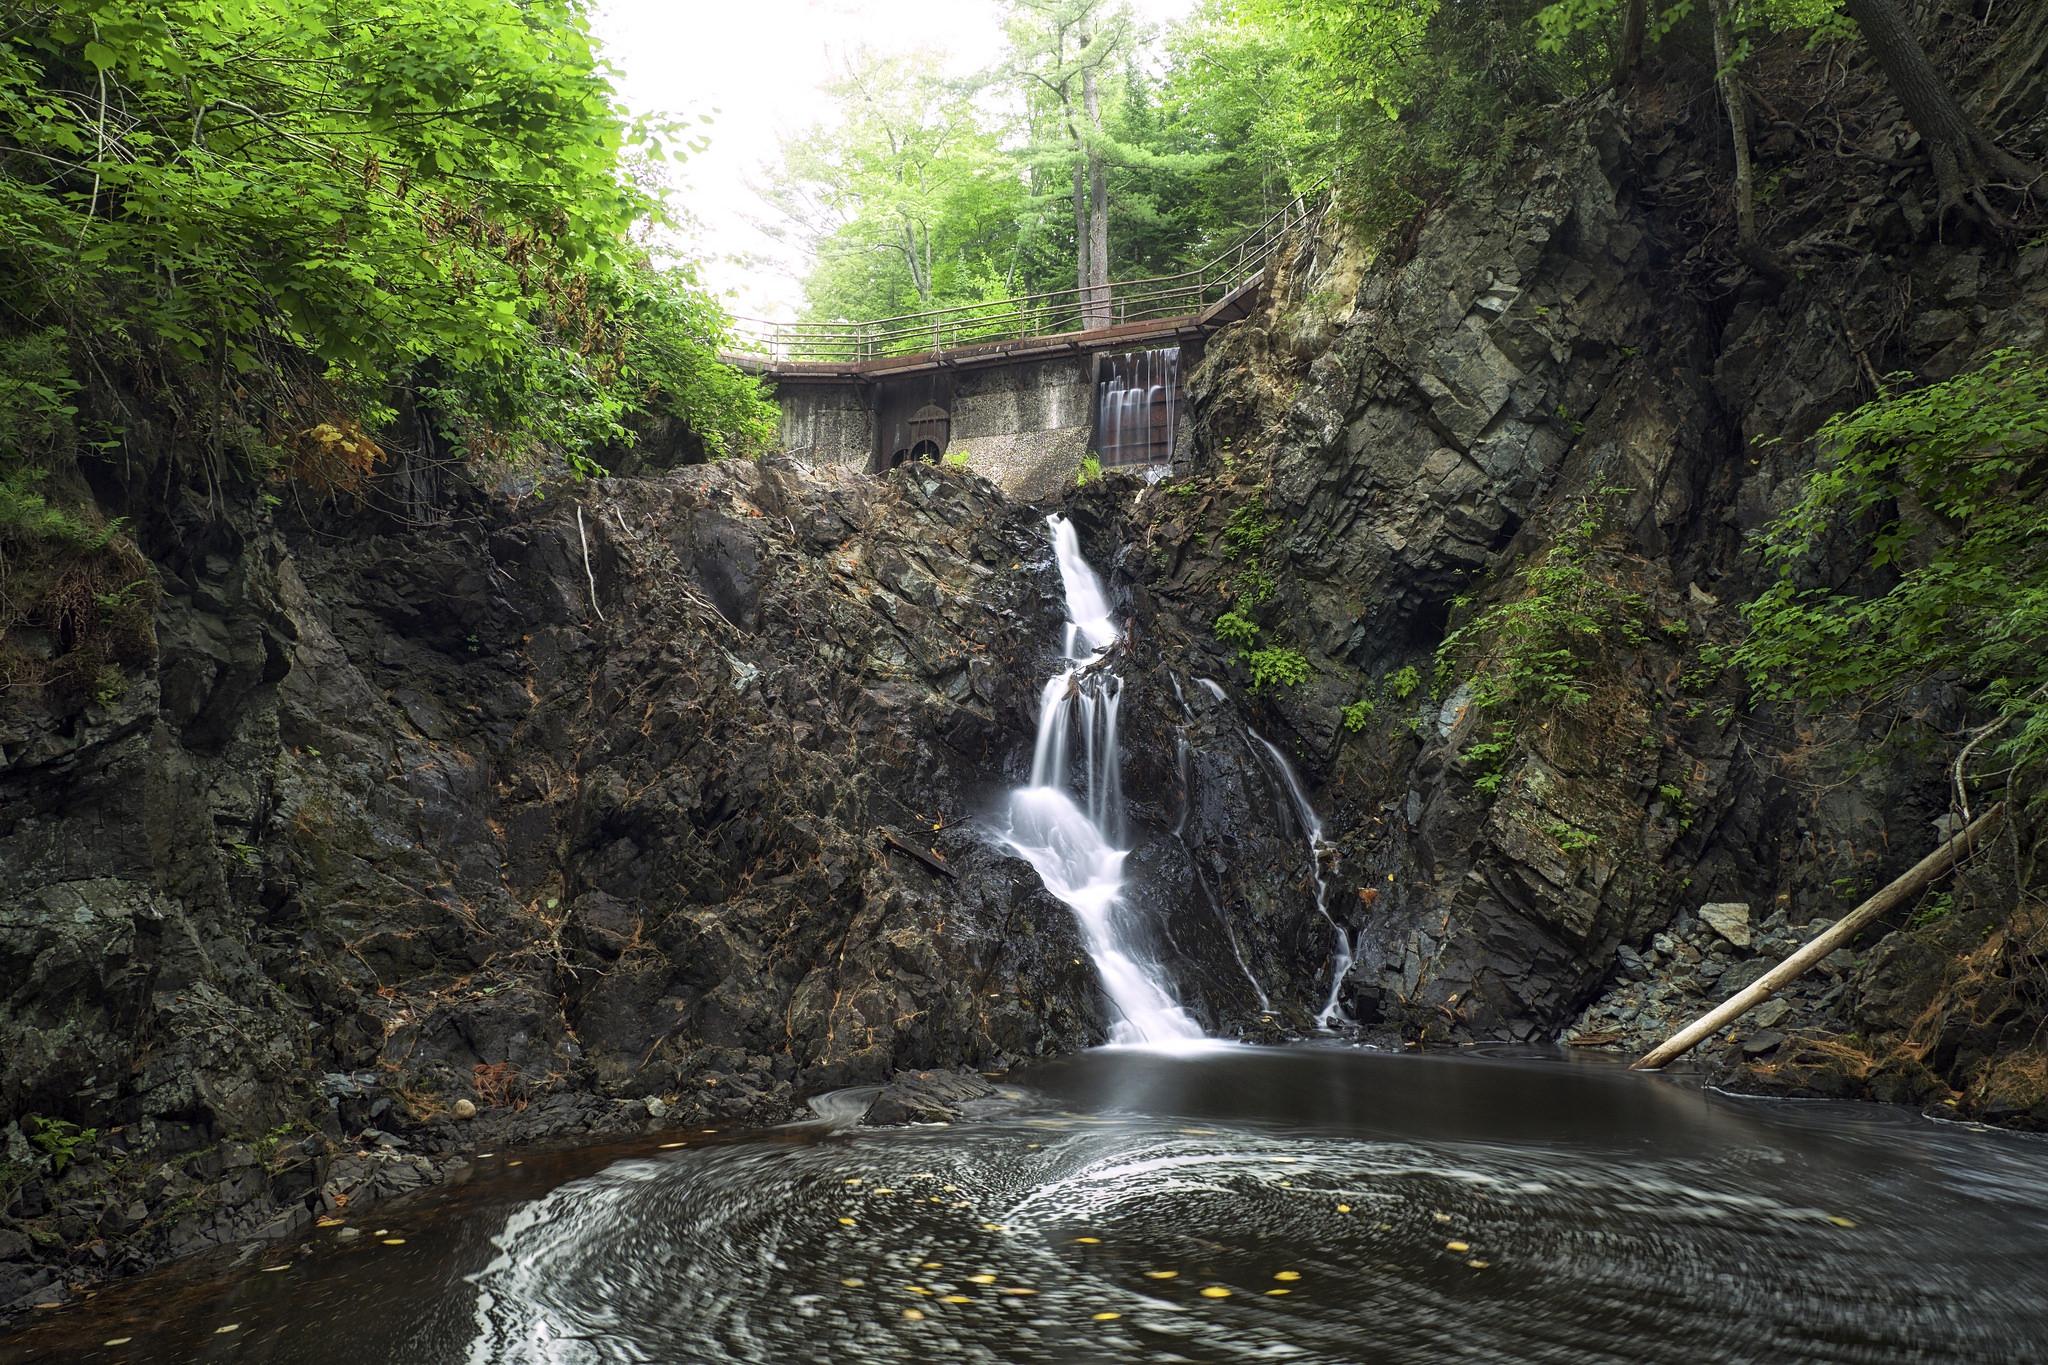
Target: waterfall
{"x": 1075, "y": 851}
{"x": 1136, "y": 403}
{"x": 1312, "y": 826}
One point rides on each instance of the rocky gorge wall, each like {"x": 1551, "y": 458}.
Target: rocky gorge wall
{"x": 1564, "y": 391}
{"x": 669, "y": 799}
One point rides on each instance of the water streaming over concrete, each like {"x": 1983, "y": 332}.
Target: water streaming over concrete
{"x": 1078, "y": 852}
{"x": 1137, "y": 402}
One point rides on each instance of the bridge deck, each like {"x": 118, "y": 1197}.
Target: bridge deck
{"x": 1129, "y": 336}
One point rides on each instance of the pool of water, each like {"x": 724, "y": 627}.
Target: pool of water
{"x": 1233, "y": 1205}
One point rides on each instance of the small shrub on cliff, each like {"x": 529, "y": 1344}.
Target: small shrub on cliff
{"x": 1945, "y": 487}
{"x": 1090, "y": 470}
{"x": 1403, "y": 681}
{"x": 1246, "y": 531}
{"x": 1358, "y": 713}
{"x": 1235, "y": 628}
{"x": 1282, "y": 666}
{"x": 1533, "y": 648}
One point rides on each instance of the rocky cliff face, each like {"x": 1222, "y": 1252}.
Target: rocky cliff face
{"x": 1563, "y": 400}
{"x": 670, "y": 799}
{"x": 405, "y": 818}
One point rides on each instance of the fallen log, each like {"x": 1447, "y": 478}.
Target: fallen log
{"x": 1909, "y": 885}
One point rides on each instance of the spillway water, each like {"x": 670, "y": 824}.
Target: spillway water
{"x": 1312, "y": 828}
{"x": 1075, "y": 848}
{"x": 1134, "y": 1206}
{"x": 1136, "y": 401}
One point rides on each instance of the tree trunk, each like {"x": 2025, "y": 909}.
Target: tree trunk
{"x": 1837, "y": 935}
{"x": 1633, "y": 22}
{"x": 1965, "y": 159}
{"x": 1097, "y": 284}
{"x": 1737, "y": 102}
{"x": 1083, "y": 276}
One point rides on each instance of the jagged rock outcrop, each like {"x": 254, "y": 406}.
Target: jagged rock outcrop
{"x": 1550, "y": 375}
{"x": 398, "y": 819}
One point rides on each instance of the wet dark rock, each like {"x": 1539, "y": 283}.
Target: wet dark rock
{"x": 928, "y": 1097}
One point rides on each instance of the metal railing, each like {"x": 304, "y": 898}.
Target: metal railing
{"x": 1158, "y": 297}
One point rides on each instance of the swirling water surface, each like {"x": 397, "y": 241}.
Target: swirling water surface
{"x": 1310, "y": 1204}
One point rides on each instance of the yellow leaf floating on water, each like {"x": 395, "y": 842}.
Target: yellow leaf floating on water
{"x": 1840, "y": 1221}
{"x": 1343, "y": 1208}
{"x": 117, "y": 1341}
{"x": 1276, "y": 1293}
{"x": 394, "y": 1241}
{"x": 883, "y": 1189}
{"x": 1457, "y": 1246}
{"x": 1088, "y": 1241}
{"x": 981, "y": 1279}
{"x": 913, "y": 1315}
{"x": 1441, "y": 1217}
{"x": 223, "y": 1331}
{"x": 1287, "y": 1275}
{"x": 329, "y": 1222}
{"x": 1161, "y": 1274}
{"x": 273, "y": 1269}
{"x": 1018, "y": 1289}
{"x": 1105, "y": 1317}
{"x": 853, "y": 1284}
{"x": 917, "y": 1289}
{"x": 956, "y": 1298}
{"x": 1289, "y": 1184}
{"x": 993, "y": 1227}
{"x": 515, "y": 1163}
{"x": 846, "y": 1222}
{"x": 931, "y": 1265}
{"x": 671, "y": 1146}
{"x": 853, "y": 1180}
{"x": 1478, "y": 1264}
{"x": 1215, "y": 1291}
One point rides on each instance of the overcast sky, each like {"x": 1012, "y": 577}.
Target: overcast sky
{"x": 758, "y": 66}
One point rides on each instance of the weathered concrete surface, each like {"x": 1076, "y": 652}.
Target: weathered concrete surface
{"x": 1023, "y": 425}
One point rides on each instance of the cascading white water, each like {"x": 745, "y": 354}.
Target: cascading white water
{"x": 1312, "y": 826}
{"x": 1074, "y": 851}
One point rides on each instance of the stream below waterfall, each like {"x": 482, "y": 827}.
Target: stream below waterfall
{"x": 1314, "y": 1203}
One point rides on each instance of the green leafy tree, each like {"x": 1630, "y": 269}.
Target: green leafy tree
{"x": 904, "y": 197}
{"x": 307, "y": 214}
{"x": 1945, "y": 489}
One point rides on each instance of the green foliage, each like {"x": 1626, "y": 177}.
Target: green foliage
{"x": 60, "y": 1139}
{"x": 1403, "y": 681}
{"x": 1570, "y": 838}
{"x": 956, "y": 458}
{"x": 1235, "y": 628}
{"x": 1246, "y": 531}
{"x": 1671, "y": 794}
{"x": 299, "y": 211}
{"x": 1945, "y": 489}
{"x": 1488, "y": 758}
{"x": 1090, "y": 470}
{"x": 1937, "y": 908}
{"x": 1282, "y": 666}
{"x": 1533, "y": 648}
{"x": 1357, "y": 714}
{"x": 1398, "y": 97}
{"x": 1253, "y": 586}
